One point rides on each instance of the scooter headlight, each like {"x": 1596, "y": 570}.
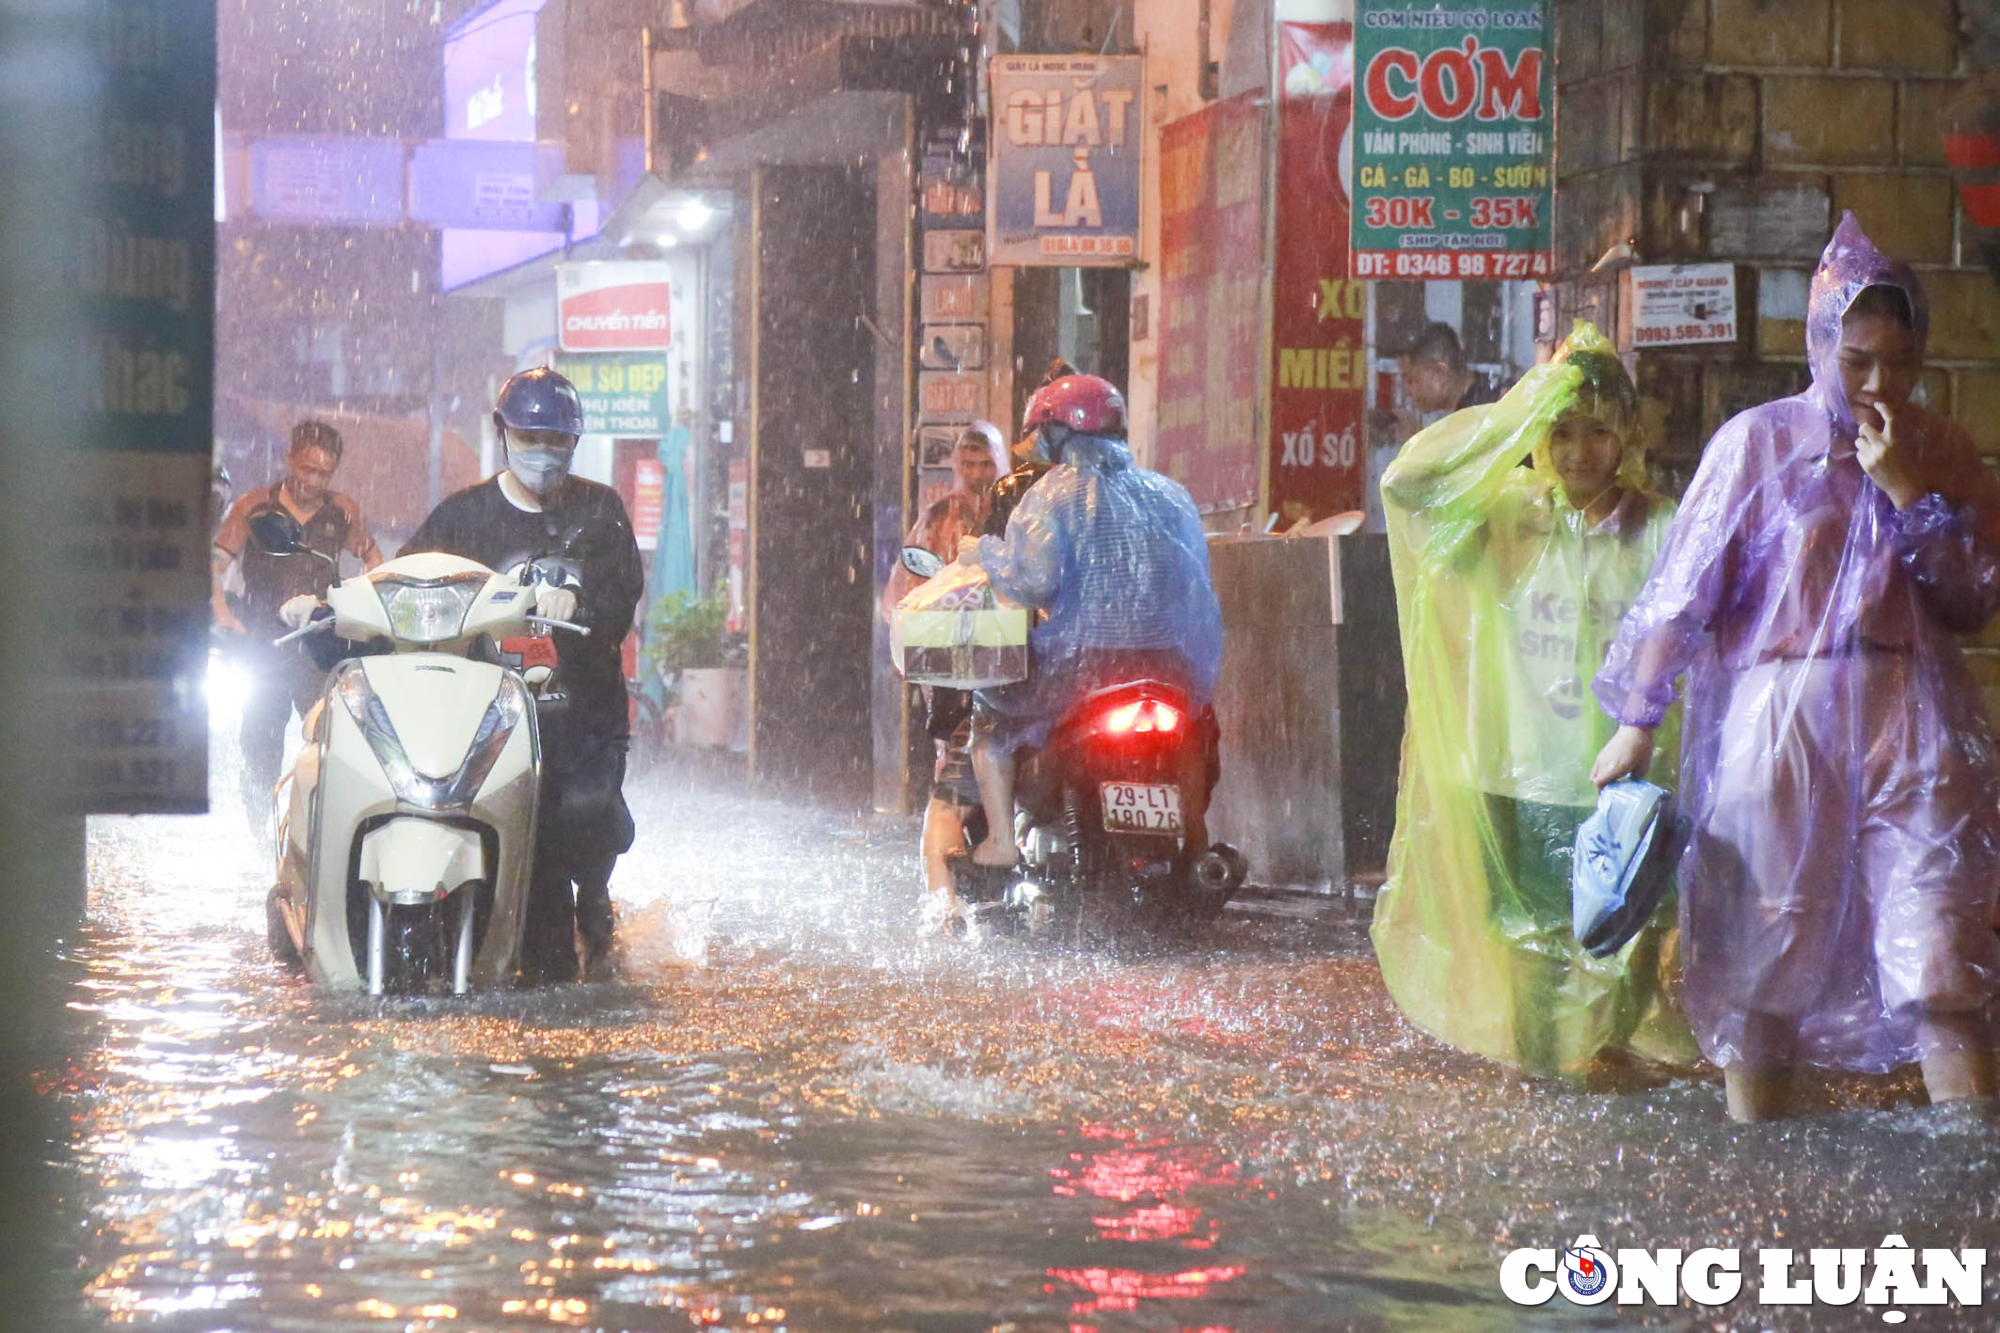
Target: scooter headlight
{"x": 428, "y": 610}
{"x": 455, "y": 792}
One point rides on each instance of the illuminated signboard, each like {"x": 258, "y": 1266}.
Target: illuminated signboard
{"x": 490, "y": 94}
{"x": 343, "y": 181}
{"x": 1453, "y": 171}
{"x": 489, "y": 73}
{"x": 610, "y": 306}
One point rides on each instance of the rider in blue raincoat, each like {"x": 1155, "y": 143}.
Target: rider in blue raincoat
{"x": 1114, "y": 555}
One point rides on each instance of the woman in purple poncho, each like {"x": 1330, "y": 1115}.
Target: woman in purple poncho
{"x": 1837, "y": 895}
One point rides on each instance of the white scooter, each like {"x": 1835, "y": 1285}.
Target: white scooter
{"x": 407, "y": 825}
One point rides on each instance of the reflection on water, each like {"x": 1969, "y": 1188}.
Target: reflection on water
{"x": 797, "y": 1113}
{"x": 1151, "y": 1179}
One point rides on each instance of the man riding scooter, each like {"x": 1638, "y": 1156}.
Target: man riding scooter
{"x": 1115, "y": 555}
{"x": 533, "y": 508}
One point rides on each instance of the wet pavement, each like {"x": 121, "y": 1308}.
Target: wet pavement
{"x": 797, "y": 1112}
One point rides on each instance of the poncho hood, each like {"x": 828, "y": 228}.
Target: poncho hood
{"x": 1851, "y": 264}
{"x": 1098, "y": 453}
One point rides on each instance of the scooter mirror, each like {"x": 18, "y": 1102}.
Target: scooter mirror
{"x": 606, "y": 533}
{"x": 925, "y": 564}
{"x": 553, "y": 570}
{"x": 278, "y": 533}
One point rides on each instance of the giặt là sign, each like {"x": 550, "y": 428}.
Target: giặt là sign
{"x": 1063, "y": 166}
{"x": 1452, "y": 165}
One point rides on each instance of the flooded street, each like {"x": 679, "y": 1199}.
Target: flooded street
{"x": 1298, "y": 421}
{"x": 798, "y": 1113}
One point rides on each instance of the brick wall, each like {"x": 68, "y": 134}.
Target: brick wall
{"x": 1738, "y": 130}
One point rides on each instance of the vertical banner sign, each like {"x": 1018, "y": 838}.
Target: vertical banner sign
{"x": 134, "y": 655}
{"x": 1319, "y": 461}
{"x": 1452, "y": 140}
{"x": 1063, "y": 169}
{"x": 953, "y": 385}
{"x": 1211, "y": 247}
{"x": 649, "y": 489}
{"x": 739, "y": 544}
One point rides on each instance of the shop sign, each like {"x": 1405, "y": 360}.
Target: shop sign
{"x": 613, "y": 306}
{"x": 1676, "y": 304}
{"x": 948, "y": 396}
{"x": 130, "y": 653}
{"x": 479, "y": 185}
{"x": 1212, "y": 191}
{"x": 622, "y": 395}
{"x": 1063, "y": 169}
{"x": 953, "y": 298}
{"x": 490, "y": 72}
{"x": 333, "y": 180}
{"x": 954, "y": 347}
{"x": 649, "y": 490}
{"x": 950, "y": 194}
{"x": 1319, "y": 371}
{"x": 954, "y": 250}
{"x": 1453, "y": 174}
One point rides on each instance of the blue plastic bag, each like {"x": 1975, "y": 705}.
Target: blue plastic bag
{"x": 1625, "y": 854}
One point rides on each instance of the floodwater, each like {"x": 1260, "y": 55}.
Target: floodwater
{"x": 798, "y": 1113}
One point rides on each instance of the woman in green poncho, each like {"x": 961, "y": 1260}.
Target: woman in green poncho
{"x": 1510, "y": 584}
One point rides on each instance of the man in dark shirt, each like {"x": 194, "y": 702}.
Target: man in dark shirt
{"x": 1436, "y": 376}
{"x": 535, "y": 509}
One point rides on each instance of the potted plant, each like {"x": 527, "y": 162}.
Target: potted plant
{"x": 688, "y": 640}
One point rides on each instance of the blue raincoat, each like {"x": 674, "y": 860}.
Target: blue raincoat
{"x": 1115, "y": 555}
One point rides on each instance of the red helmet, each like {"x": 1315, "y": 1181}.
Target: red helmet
{"x": 1081, "y": 402}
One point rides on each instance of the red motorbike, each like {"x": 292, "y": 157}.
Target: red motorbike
{"x": 1113, "y": 810}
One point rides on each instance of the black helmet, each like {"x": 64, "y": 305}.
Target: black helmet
{"x": 539, "y": 399}
{"x": 1007, "y": 493}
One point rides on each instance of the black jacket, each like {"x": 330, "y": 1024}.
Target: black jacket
{"x": 586, "y": 524}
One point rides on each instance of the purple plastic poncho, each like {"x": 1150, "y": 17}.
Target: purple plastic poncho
{"x": 1835, "y": 759}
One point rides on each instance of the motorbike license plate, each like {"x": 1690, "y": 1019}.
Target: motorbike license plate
{"x": 1141, "y": 807}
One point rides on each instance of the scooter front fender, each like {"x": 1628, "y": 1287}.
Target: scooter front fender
{"x": 415, "y": 860}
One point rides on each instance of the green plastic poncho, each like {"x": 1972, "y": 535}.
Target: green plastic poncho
{"x": 1508, "y": 599}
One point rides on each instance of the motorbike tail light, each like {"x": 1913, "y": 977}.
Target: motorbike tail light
{"x": 1144, "y": 716}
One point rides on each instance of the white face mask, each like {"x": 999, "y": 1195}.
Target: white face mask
{"x": 539, "y": 467}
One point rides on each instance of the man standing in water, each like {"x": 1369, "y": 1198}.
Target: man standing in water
{"x": 286, "y": 678}
{"x": 536, "y": 508}
{"x": 1115, "y": 556}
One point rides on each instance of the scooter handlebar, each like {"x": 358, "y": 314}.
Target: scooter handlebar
{"x": 310, "y": 627}
{"x": 571, "y": 626}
